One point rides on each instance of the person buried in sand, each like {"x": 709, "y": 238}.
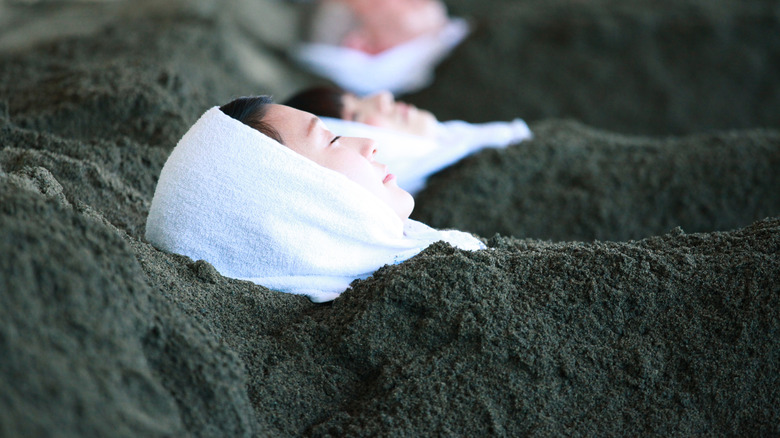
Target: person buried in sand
{"x": 367, "y": 46}
{"x": 411, "y": 140}
{"x": 267, "y": 193}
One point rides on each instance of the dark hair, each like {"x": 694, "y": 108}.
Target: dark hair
{"x": 322, "y": 101}
{"x": 250, "y": 110}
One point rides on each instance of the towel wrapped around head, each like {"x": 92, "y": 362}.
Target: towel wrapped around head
{"x": 258, "y": 211}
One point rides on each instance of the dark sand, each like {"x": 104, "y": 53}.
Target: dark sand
{"x": 573, "y": 182}
{"x": 653, "y": 67}
{"x": 672, "y": 333}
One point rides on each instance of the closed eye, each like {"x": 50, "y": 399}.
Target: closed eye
{"x": 335, "y": 139}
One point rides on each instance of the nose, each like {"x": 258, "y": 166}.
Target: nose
{"x": 366, "y": 147}
{"x": 384, "y": 100}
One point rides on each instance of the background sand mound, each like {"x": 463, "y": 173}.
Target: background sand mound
{"x": 640, "y": 67}
{"x": 577, "y": 183}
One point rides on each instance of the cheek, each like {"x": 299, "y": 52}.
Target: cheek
{"x": 356, "y": 169}
{"x": 377, "y": 120}
{"x": 366, "y": 177}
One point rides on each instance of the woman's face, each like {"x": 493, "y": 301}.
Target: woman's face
{"x": 383, "y": 111}
{"x": 351, "y": 156}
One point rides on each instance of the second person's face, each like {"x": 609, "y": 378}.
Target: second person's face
{"x": 383, "y": 111}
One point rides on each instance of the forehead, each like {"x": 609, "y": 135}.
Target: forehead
{"x": 297, "y": 128}
{"x": 282, "y": 113}
{"x": 350, "y": 99}
{"x": 354, "y": 101}
{"x": 291, "y": 120}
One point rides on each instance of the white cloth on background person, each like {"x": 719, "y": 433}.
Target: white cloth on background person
{"x": 402, "y": 69}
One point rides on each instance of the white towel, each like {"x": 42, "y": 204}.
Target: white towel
{"x": 412, "y": 158}
{"x": 258, "y": 211}
{"x": 401, "y": 69}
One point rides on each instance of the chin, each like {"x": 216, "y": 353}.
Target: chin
{"x": 408, "y": 207}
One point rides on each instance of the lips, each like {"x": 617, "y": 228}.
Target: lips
{"x": 389, "y": 177}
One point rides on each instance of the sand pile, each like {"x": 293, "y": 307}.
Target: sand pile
{"x": 578, "y": 183}
{"x": 102, "y": 334}
{"x": 641, "y": 67}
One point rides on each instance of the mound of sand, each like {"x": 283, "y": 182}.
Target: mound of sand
{"x": 102, "y": 334}
{"x": 654, "y": 67}
{"x": 573, "y": 182}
